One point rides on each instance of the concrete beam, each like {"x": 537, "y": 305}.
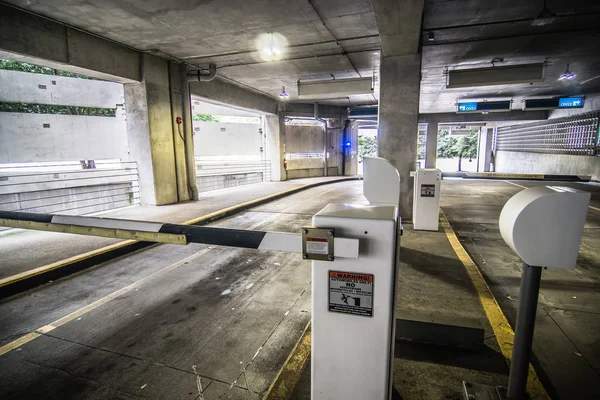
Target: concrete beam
{"x": 27, "y": 37}
{"x": 514, "y": 115}
{"x": 399, "y": 23}
{"x": 226, "y": 93}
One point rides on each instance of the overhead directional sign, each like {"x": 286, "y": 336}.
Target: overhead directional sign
{"x": 570, "y": 102}
{"x": 464, "y": 107}
{"x": 553, "y": 103}
{"x": 483, "y": 106}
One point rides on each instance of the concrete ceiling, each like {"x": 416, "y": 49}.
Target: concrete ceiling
{"x": 470, "y": 34}
{"x": 340, "y": 38}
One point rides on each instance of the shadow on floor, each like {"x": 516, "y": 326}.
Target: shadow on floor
{"x": 487, "y": 359}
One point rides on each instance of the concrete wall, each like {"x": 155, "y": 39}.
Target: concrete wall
{"x": 50, "y": 137}
{"x": 25, "y": 87}
{"x": 227, "y": 139}
{"x": 536, "y": 163}
{"x": 23, "y": 137}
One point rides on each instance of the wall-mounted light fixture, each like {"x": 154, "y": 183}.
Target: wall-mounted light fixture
{"x": 283, "y": 95}
{"x": 568, "y": 75}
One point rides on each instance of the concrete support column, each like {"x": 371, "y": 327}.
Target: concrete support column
{"x": 486, "y": 138}
{"x": 398, "y": 120}
{"x": 431, "y": 145}
{"x": 275, "y": 131}
{"x": 351, "y": 159}
{"x": 150, "y": 132}
{"x": 178, "y": 130}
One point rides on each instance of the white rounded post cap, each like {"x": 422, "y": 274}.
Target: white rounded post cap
{"x": 544, "y": 225}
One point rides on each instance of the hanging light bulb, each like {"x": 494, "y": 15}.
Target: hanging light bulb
{"x": 283, "y": 95}
{"x": 568, "y": 75}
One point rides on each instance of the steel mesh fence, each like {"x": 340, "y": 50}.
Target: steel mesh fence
{"x": 575, "y": 135}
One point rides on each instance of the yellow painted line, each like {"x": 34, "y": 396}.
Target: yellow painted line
{"x": 250, "y": 203}
{"x": 84, "y": 310}
{"x": 502, "y": 329}
{"x": 288, "y": 376}
{"x": 274, "y": 217}
{"x": 594, "y": 208}
{"x": 504, "y": 175}
{"x": 78, "y": 313}
{"x": 93, "y": 253}
{"x": 63, "y": 263}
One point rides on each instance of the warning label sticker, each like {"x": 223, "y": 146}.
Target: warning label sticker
{"x": 427, "y": 190}
{"x": 317, "y": 245}
{"x": 351, "y": 293}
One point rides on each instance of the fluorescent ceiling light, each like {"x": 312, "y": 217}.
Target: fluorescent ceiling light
{"x": 334, "y": 88}
{"x": 505, "y": 75}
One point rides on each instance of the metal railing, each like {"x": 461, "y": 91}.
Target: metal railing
{"x": 575, "y": 135}
{"x": 217, "y": 174}
{"x": 300, "y": 156}
{"x": 67, "y": 188}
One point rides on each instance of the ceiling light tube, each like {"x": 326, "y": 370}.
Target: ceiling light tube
{"x": 334, "y": 88}
{"x": 504, "y": 75}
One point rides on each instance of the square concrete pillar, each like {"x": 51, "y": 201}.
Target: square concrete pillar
{"x": 275, "y": 131}
{"x": 486, "y": 138}
{"x": 150, "y": 132}
{"x": 398, "y": 120}
{"x": 431, "y": 145}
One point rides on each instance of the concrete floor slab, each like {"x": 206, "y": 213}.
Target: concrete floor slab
{"x": 573, "y": 292}
{"x": 433, "y": 285}
{"x": 220, "y": 309}
{"x": 258, "y": 307}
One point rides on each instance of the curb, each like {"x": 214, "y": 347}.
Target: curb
{"x": 26, "y": 280}
{"x": 288, "y": 376}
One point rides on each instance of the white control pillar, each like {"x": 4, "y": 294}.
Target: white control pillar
{"x": 543, "y": 225}
{"x": 353, "y": 300}
{"x": 426, "y": 201}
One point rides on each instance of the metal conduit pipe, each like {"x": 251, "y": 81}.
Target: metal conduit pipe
{"x": 188, "y": 134}
{"x": 316, "y": 115}
{"x": 198, "y": 76}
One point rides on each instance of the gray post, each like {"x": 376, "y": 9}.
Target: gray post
{"x": 519, "y": 367}
{"x": 431, "y": 144}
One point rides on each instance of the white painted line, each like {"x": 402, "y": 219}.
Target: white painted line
{"x": 516, "y": 184}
